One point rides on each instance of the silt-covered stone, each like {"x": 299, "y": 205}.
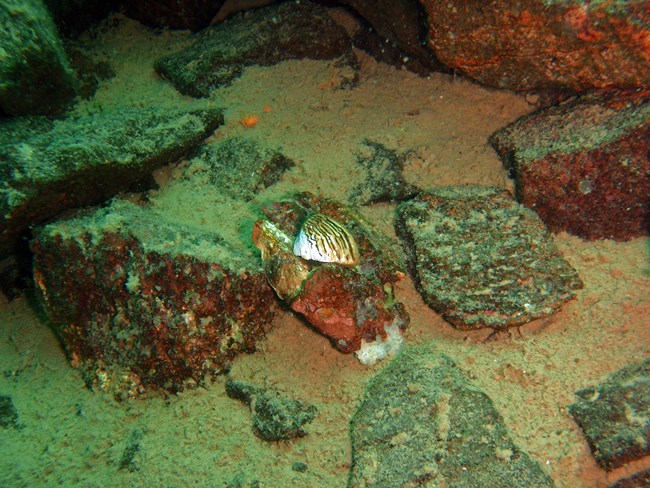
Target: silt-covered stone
{"x": 583, "y": 166}
{"x": 480, "y": 259}
{"x": 615, "y": 416}
{"x": 421, "y": 423}
{"x": 290, "y": 30}
{"x": 143, "y": 303}
{"x": 84, "y": 160}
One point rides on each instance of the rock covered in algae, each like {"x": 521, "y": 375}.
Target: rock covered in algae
{"x": 266, "y": 36}
{"x": 421, "y": 423}
{"x": 352, "y": 306}
{"x": 615, "y": 416}
{"x": 480, "y": 259}
{"x": 51, "y": 167}
{"x": 142, "y": 303}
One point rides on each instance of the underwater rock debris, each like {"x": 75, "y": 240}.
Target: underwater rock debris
{"x": 35, "y": 73}
{"x": 275, "y": 416}
{"x": 81, "y": 161}
{"x": 482, "y": 260}
{"x": 615, "y": 416}
{"x": 353, "y": 306}
{"x": 238, "y": 167}
{"x": 266, "y": 36}
{"x": 421, "y": 423}
{"x": 142, "y": 303}
{"x": 584, "y": 166}
{"x": 381, "y": 169}
{"x": 523, "y": 45}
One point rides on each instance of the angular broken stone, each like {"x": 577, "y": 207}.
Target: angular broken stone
{"x": 239, "y": 166}
{"x": 275, "y": 416}
{"x": 382, "y": 179}
{"x": 266, "y": 36}
{"x": 353, "y": 306}
{"x": 615, "y": 416}
{"x": 421, "y": 423}
{"x": 584, "y": 166}
{"x": 35, "y": 73}
{"x": 85, "y": 160}
{"x": 480, "y": 259}
{"x": 141, "y": 302}
{"x": 540, "y": 45}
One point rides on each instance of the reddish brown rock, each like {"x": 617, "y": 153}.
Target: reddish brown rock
{"x": 350, "y": 305}
{"x": 524, "y": 44}
{"x": 480, "y": 259}
{"x": 584, "y": 166}
{"x": 141, "y": 303}
{"x": 290, "y": 30}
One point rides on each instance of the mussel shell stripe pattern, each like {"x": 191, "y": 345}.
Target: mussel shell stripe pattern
{"x": 323, "y": 239}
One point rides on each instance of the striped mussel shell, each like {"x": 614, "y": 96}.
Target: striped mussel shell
{"x": 323, "y": 239}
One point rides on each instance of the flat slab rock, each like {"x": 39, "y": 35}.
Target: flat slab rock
{"x": 615, "y": 416}
{"x": 480, "y": 259}
{"x": 521, "y": 44}
{"x": 266, "y": 36}
{"x": 35, "y": 71}
{"x": 142, "y": 303}
{"x": 50, "y": 167}
{"x": 421, "y": 423}
{"x": 583, "y": 166}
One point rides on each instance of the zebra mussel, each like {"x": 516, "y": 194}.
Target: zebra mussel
{"x": 323, "y": 239}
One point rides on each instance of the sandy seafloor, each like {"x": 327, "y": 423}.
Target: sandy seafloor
{"x": 71, "y": 436}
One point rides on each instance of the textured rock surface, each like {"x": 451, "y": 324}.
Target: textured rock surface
{"x": 584, "y": 166}
{"x": 401, "y": 23}
{"x": 174, "y": 14}
{"x": 240, "y": 166}
{"x": 524, "y": 44}
{"x": 349, "y": 305}
{"x": 482, "y": 260}
{"x": 615, "y": 416}
{"x": 84, "y": 160}
{"x": 291, "y": 30}
{"x": 422, "y": 424}
{"x": 140, "y": 302}
{"x": 381, "y": 169}
{"x": 35, "y": 75}
{"x": 275, "y": 416}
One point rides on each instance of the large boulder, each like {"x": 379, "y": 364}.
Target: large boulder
{"x": 50, "y": 167}
{"x": 421, "y": 423}
{"x": 535, "y": 44}
{"x": 291, "y": 30}
{"x": 583, "y": 166}
{"x": 35, "y": 74}
{"x": 480, "y": 259}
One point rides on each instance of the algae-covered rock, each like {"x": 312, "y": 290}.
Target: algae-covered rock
{"x": 35, "y": 74}
{"x": 141, "y": 303}
{"x": 240, "y": 166}
{"x": 266, "y": 36}
{"x": 583, "y": 166}
{"x": 421, "y": 423}
{"x": 381, "y": 172}
{"x": 615, "y": 416}
{"x": 480, "y": 259}
{"x": 84, "y": 160}
{"x": 276, "y": 417}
